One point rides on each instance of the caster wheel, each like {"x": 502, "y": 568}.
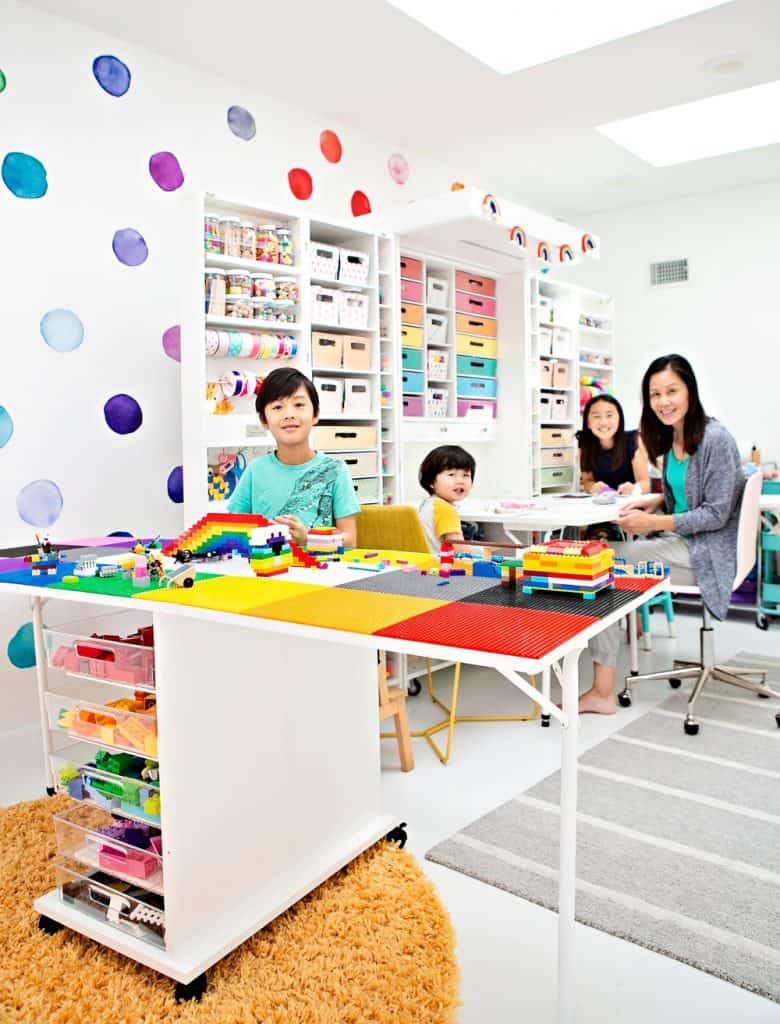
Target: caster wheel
{"x": 414, "y": 687}
{"x": 188, "y": 584}
{"x": 624, "y": 699}
{"x": 194, "y": 990}
{"x": 675, "y": 683}
{"x": 398, "y": 835}
{"x": 691, "y": 728}
{"x": 545, "y": 722}
{"x": 50, "y": 791}
{"x": 777, "y": 719}
{"x": 762, "y": 621}
{"x": 763, "y": 696}
{"x": 47, "y": 925}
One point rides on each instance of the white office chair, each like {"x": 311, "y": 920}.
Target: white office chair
{"x": 706, "y": 668}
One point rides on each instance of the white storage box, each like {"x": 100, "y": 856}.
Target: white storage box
{"x": 331, "y": 392}
{"x": 357, "y": 396}
{"x": 438, "y": 364}
{"x": 353, "y": 266}
{"x": 436, "y": 328}
{"x": 560, "y": 407}
{"x": 436, "y": 402}
{"x": 325, "y": 306}
{"x": 353, "y": 309}
{"x": 437, "y": 292}
{"x": 545, "y": 341}
{"x": 324, "y": 260}
{"x": 561, "y": 343}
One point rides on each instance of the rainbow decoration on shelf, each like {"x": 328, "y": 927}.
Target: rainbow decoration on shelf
{"x": 543, "y": 252}
{"x": 576, "y": 567}
{"x": 565, "y": 254}
{"x": 490, "y": 206}
{"x": 519, "y": 237}
{"x": 588, "y": 243}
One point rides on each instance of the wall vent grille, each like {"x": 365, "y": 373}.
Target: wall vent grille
{"x": 668, "y": 272}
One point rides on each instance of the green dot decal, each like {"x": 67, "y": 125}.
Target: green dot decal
{"x": 2, "y": 81}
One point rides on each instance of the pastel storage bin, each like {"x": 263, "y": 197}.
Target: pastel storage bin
{"x": 412, "y": 383}
{"x": 411, "y": 359}
{"x": 331, "y": 394}
{"x": 359, "y": 463}
{"x": 411, "y": 314}
{"x": 344, "y": 437}
{"x": 410, "y": 268}
{"x": 325, "y": 306}
{"x": 557, "y": 436}
{"x": 437, "y": 402}
{"x": 557, "y": 457}
{"x": 467, "y": 345}
{"x": 466, "y": 323}
{"x": 476, "y": 387}
{"x": 324, "y": 260}
{"x": 412, "y": 405}
{"x": 366, "y": 490}
{"x": 353, "y": 266}
{"x": 558, "y": 476}
{"x": 411, "y": 337}
{"x": 467, "y": 282}
{"x": 560, "y": 375}
{"x": 357, "y": 396}
{"x": 438, "y": 364}
{"x": 437, "y": 292}
{"x": 546, "y": 372}
{"x": 436, "y": 328}
{"x": 326, "y": 350}
{"x": 477, "y": 304}
{"x": 353, "y": 309}
{"x": 356, "y": 352}
{"x": 473, "y": 366}
{"x": 411, "y": 291}
{"x": 473, "y": 409}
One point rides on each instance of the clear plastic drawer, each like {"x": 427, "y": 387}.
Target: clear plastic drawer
{"x": 123, "y": 723}
{"x": 122, "y": 652}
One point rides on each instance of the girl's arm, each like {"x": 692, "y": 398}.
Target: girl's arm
{"x": 590, "y": 485}
{"x": 348, "y": 526}
{"x": 641, "y": 467}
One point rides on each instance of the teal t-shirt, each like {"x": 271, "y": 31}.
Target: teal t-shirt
{"x": 319, "y": 491}
{"x": 675, "y": 477}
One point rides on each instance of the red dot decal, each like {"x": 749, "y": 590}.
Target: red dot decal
{"x": 330, "y": 146}
{"x": 301, "y": 184}
{"x": 360, "y": 204}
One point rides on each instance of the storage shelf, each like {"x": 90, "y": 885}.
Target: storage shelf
{"x": 318, "y": 326}
{"x": 345, "y": 417}
{"x": 339, "y": 371}
{"x": 215, "y": 259}
{"x": 603, "y": 331}
{"x": 596, "y": 366}
{"x": 244, "y": 323}
{"x": 332, "y": 282}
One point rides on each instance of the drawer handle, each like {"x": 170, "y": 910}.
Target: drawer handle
{"x": 354, "y": 259}
{"x": 476, "y": 323}
{"x": 358, "y": 346}
{"x": 475, "y": 280}
{"x": 347, "y": 434}
{"x": 475, "y": 362}
{"x": 326, "y": 342}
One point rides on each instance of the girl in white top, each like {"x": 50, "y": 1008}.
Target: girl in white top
{"x": 446, "y": 475}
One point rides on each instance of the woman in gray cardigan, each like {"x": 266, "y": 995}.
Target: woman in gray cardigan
{"x": 703, "y": 485}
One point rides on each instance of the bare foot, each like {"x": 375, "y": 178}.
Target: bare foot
{"x": 592, "y": 703}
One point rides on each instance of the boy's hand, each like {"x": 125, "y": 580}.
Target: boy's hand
{"x": 297, "y": 530}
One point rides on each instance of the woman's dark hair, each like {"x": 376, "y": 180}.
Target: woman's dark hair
{"x": 656, "y": 436}
{"x": 590, "y": 445}
{"x": 446, "y": 456}
{"x": 282, "y": 383}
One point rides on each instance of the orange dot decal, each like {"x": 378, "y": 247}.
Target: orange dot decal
{"x": 360, "y": 204}
{"x": 300, "y": 181}
{"x": 330, "y": 146}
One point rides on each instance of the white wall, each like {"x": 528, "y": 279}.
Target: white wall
{"x": 726, "y": 319}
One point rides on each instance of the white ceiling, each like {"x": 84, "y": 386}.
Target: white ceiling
{"x": 528, "y": 136}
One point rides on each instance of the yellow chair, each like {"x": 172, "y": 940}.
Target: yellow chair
{"x": 398, "y": 528}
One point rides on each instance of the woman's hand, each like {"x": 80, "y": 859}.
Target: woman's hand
{"x": 297, "y": 530}
{"x": 636, "y": 519}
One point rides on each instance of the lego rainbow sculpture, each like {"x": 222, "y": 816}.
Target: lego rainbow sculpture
{"x": 577, "y": 567}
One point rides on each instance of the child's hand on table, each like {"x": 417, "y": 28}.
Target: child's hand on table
{"x": 297, "y": 530}
{"x": 626, "y": 489}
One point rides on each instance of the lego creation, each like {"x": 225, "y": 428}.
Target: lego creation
{"x": 577, "y": 567}
{"x": 325, "y": 542}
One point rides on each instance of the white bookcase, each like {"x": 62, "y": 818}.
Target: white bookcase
{"x": 353, "y": 433}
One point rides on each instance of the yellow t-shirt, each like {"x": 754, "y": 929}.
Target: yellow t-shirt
{"x": 438, "y": 518}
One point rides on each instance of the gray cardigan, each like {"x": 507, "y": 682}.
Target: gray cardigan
{"x": 714, "y": 482}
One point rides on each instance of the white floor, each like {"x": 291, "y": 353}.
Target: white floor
{"x": 507, "y": 948}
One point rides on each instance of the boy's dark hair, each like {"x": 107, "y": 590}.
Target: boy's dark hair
{"x": 590, "y": 446}
{"x": 282, "y": 383}
{"x": 446, "y": 456}
{"x": 656, "y": 436}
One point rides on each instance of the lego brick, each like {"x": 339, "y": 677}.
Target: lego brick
{"x": 231, "y": 593}
{"x": 357, "y": 611}
{"x": 414, "y": 584}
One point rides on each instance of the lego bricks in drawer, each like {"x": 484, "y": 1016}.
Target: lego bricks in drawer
{"x": 128, "y": 660}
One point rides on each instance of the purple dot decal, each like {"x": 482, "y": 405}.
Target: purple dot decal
{"x": 6, "y": 426}
{"x": 130, "y": 247}
{"x": 176, "y": 485}
{"x": 166, "y": 171}
{"x": 398, "y": 166}
{"x": 24, "y": 175}
{"x": 172, "y": 343}
{"x": 62, "y": 330}
{"x": 241, "y": 123}
{"x": 21, "y": 647}
{"x": 123, "y": 414}
{"x": 39, "y": 503}
{"x": 111, "y": 74}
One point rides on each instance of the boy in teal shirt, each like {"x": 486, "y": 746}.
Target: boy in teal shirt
{"x": 295, "y": 485}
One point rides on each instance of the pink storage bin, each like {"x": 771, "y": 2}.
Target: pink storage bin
{"x": 471, "y": 409}
{"x": 411, "y": 291}
{"x": 465, "y": 303}
{"x": 413, "y": 405}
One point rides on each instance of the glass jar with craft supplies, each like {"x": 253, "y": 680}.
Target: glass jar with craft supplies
{"x": 212, "y": 239}
{"x": 287, "y": 289}
{"x": 214, "y": 289}
{"x": 238, "y": 306}
{"x": 239, "y": 283}
{"x": 248, "y": 240}
{"x": 230, "y": 231}
{"x": 263, "y": 286}
{"x": 286, "y": 249}
{"x": 267, "y": 244}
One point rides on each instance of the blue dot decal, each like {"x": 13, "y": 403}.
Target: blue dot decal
{"x": 21, "y": 647}
{"x": 39, "y": 503}
{"x": 130, "y": 247}
{"x": 241, "y": 123}
{"x": 6, "y": 426}
{"x": 62, "y": 330}
{"x": 123, "y": 414}
{"x": 24, "y": 175}
{"x": 176, "y": 485}
{"x": 111, "y": 74}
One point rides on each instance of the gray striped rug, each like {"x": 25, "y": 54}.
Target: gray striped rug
{"x": 678, "y": 838}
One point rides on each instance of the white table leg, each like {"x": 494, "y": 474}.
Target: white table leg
{"x": 568, "y": 841}
{"x": 37, "y": 604}
{"x": 633, "y": 644}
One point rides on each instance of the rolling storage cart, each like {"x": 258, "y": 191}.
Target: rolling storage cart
{"x": 768, "y": 584}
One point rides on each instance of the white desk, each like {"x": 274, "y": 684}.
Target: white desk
{"x": 546, "y": 513}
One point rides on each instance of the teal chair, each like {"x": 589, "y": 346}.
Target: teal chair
{"x": 665, "y": 602}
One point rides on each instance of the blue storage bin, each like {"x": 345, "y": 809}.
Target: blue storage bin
{"x": 412, "y": 383}
{"x": 477, "y": 366}
{"x": 476, "y": 387}
{"x": 411, "y": 358}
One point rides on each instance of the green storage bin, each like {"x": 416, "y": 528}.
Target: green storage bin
{"x": 770, "y": 593}
{"x": 477, "y": 366}
{"x": 412, "y": 358}
{"x": 558, "y": 476}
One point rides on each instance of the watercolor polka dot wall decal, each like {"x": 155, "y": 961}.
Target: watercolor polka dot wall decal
{"x": 21, "y": 647}
{"x": 398, "y": 167}
{"x": 330, "y": 146}
{"x": 111, "y": 74}
{"x": 300, "y": 182}
{"x": 241, "y": 123}
{"x": 176, "y": 485}
{"x": 166, "y": 171}
{"x": 6, "y": 426}
{"x": 123, "y": 414}
{"x": 130, "y": 247}
{"x": 171, "y": 342}
{"x": 24, "y": 175}
{"x": 39, "y": 503}
{"x": 62, "y": 330}
{"x": 360, "y": 204}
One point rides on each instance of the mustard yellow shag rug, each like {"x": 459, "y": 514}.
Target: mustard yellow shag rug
{"x": 371, "y": 945}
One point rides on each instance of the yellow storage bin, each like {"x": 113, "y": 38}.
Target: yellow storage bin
{"x": 467, "y": 345}
{"x": 411, "y": 337}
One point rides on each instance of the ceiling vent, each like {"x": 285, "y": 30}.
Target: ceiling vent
{"x": 669, "y": 272}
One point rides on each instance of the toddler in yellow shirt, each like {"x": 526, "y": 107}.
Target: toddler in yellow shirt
{"x": 446, "y": 475}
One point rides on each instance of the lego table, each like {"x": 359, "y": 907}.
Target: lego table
{"x": 268, "y": 734}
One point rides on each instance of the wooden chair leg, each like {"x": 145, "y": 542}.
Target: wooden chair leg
{"x": 404, "y": 737}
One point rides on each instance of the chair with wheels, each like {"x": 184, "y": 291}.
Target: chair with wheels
{"x": 707, "y": 668}
{"x": 659, "y": 601}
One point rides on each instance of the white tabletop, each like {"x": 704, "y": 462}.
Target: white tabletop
{"x": 547, "y": 513}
